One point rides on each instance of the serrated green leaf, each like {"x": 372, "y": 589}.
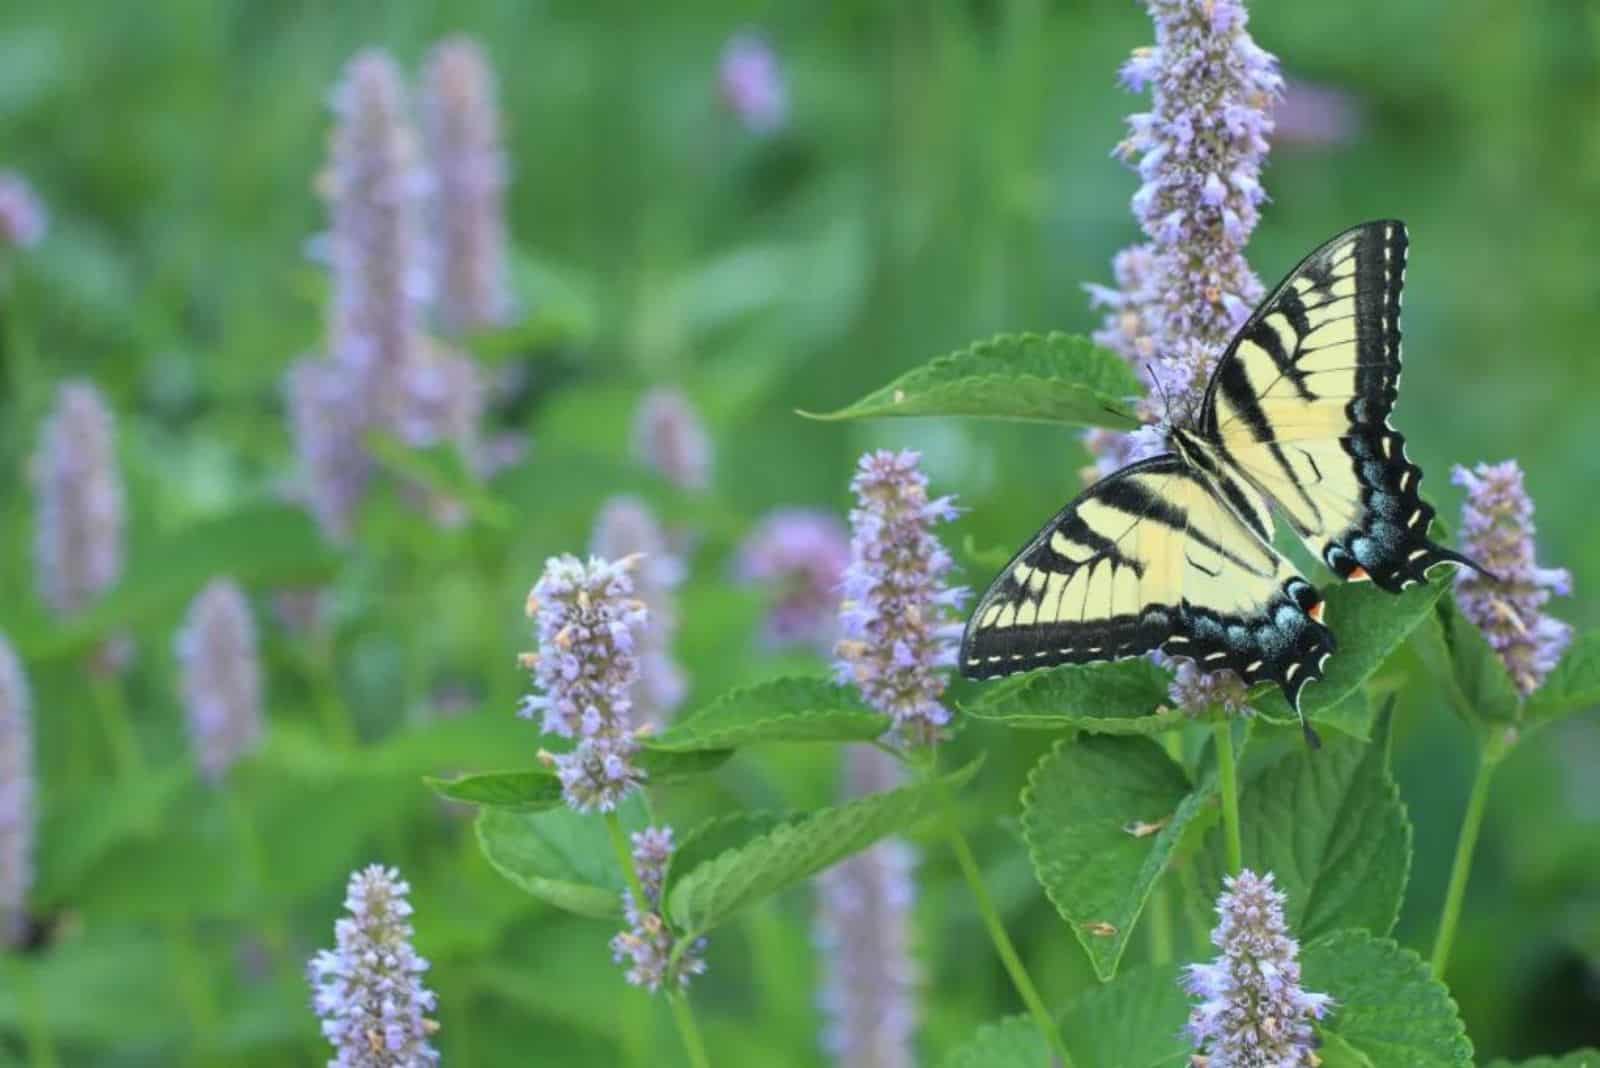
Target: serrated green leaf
{"x": 1387, "y": 1005}
{"x": 1582, "y": 1058}
{"x": 1483, "y": 688}
{"x": 266, "y": 545}
{"x": 559, "y": 856}
{"x": 522, "y": 791}
{"x": 1054, "y": 378}
{"x": 718, "y": 835}
{"x": 1014, "y": 1042}
{"x": 664, "y": 769}
{"x": 1115, "y": 698}
{"x": 1573, "y": 686}
{"x": 716, "y": 889}
{"x": 1368, "y": 625}
{"x": 1331, "y": 828}
{"x": 1337, "y": 1053}
{"x": 1101, "y": 817}
{"x": 1134, "y": 1021}
{"x": 783, "y": 710}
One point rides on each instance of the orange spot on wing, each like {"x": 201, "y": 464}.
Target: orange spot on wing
{"x": 1315, "y": 611}
{"x": 1358, "y": 574}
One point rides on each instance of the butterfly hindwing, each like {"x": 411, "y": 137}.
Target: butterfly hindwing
{"x": 1151, "y": 558}
{"x": 1300, "y": 402}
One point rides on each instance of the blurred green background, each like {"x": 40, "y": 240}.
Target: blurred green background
{"x": 944, "y": 174}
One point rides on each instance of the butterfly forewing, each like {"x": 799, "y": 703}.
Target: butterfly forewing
{"x": 1299, "y": 405}
{"x": 1151, "y": 558}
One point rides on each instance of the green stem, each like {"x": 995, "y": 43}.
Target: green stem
{"x": 1002, "y": 941}
{"x": 1471, "y": 824}
{"x": 117, "y": 726}
{"x": 194, "y": 986}
{"x": 1228, "y": 783}
{"x": 40, "y": 1044}
{"x": 682, "y": 1015}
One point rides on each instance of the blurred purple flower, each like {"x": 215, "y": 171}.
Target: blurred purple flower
{"x": 589, "y": 626}
{"x": 1315, "y": 116}
{"x": 369, "y": 989}
{"x": 221, "y": 677}
{"x": 16, "y": 796}
{"x": 627, "y": 528}
{"x": 648, "y": 943}
{"x": 669, "y": 437}
{"x": 375, "y": 186}
{"x": 23, "y": 217}
{"x": 897, "y": 612}
{"x": 1253, "y": 1011}
{"x": 335, "y": 469}
{"x": 864, "y": 930}
{"x": 461, "y": 120}
{"x": 752, "y": 84}
{"x": 803, "y": 555}
{"x": 1497, "y": 531}
{"x": 78, "y": 540}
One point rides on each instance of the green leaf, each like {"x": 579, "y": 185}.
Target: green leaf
{"x": 1582, "y": 1058}
{"x": 1330, "y": 826}
{"x": 1483, "y": 690}
{"x": 1116, "y": 698}
{"x": 1013, "y": 1042}
{"x": 1134, "y": 1021}
{"x": 783, "y": 710}
{"x": 1573, "y": 686}
{"x": 1387, "y": 1005}
{"x": 1056, "y": 378}
{"x": 559, "y": 856}
{"x": 1337, "y": 1053}
{"x": 664, "y": 769}
{"x": 523, "y": 791}
{"x": 718, "y": 835}
{"x": 1102, "y": 816}
{"x": 262, "y": 546}
{"x": 715, "y": 889}
{"x": 1368, "y": 624}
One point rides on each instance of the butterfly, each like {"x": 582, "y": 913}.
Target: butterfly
{"x": 1175, "y": 552}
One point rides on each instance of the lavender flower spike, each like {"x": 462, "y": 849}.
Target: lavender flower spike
{"x": 648, "y": 943}
{"x": 16, "y": 796}
{"x": 864, "y": 931}
{"x": 369, "y": 989}
{"x": 669, "y": 437}
{"x": 334, "y": 467}
{"x": 626, "y": 527}
{"x": 803, "y": 554}
{"x": 1253, "y": 1011}
{"x": 375, "y": 186}
{"x": 590, "y": 624}
{"x": 751, "y": 82}
{"x": 23, "y": 218}
{"x": 1497, "y": 530}
{"x": 221, "y": 677}
{"x": 899, "y": 632}
{"x": 461, "y": 121}
{"x": 79, "y": 537}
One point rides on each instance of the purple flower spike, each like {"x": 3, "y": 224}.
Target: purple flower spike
{"x": 590, "y": 625}
{"x": 648, "y": 943}
{"x": 1497, "y": 531}
{"x": 78, "y": 541}
{"x": 16, "y": 796}
{"x": 898, "y": 614}
{"x": 803, "y": 555}
{"x": 461, "y": 119}
{"x": 23, "y": 218}
{"x": 369, "y": 989}
{"x": 669, "y": 437}
{"x": 864, "y": 930}
{"x": 221, "y": 677}
{"x": 1253, "y": 1011}
{"x": 752, "y": 85}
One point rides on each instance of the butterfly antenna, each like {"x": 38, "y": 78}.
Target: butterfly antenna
{"x": 1166, "y": 401}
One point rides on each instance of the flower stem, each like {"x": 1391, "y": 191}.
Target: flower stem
{"x": 1002, "y": 941}
{"x": 682, "y": 1015}
{"x": 1228, "y": 783}
{"x": 118, "y": 728}
{"x": 1471, "y": 824}
{"x": 37, "y": 1039}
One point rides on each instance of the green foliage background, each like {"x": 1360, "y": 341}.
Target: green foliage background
{"x": 945, "y": 176}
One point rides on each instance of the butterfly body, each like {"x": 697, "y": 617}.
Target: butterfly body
{"x": 1175, "y": 552}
